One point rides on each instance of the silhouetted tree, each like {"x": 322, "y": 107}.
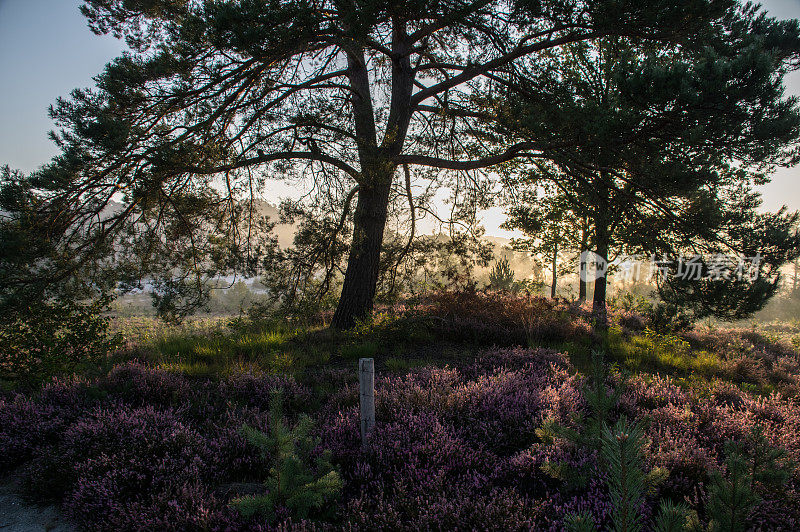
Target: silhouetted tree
{"x": 215, "y": 96}
{"x": 648, "y": 138}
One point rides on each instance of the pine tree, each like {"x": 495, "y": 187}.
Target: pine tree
{"x": 749, "y": 467}
{"x": 580, "y": 522}
{"x": 650, "y": 138}
{"x": 215, "y": 97}
{"x": 671, "y": 517}
{"x": 621, "y": 451}
{"x": 296, "y": 481}
{"x": 501, "y": 276}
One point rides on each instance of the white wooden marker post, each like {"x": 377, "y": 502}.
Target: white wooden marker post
{"x": 366, "y": 385}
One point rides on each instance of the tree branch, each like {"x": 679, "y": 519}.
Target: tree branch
{"x": 517, "y": 150}
{"x": 279, "y": 156}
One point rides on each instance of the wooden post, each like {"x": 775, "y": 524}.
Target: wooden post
{"x": 366, "y": 385}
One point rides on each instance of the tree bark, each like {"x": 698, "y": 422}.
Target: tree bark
{"x": 555, "y": 272}
{"x": 601, "y": 282}
{"x": 369, "y": 218}
{"x": 361, "y": 276}
{"x": 582, "y": 265}
{"x": 582, "y": 287}
{"x": 599, "y": 298}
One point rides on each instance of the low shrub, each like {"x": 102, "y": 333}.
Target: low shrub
{"x": 493, "y": 318}
{"x": 53, "y": 338}
{"x": 453, "y": 447}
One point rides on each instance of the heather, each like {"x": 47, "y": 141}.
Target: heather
{"x": 182, "y": 427}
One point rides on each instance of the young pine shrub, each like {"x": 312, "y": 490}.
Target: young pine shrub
{"x": 621, "y": 451}
{"x": 671, "y": 517}
{"x": 294, "y": 483}
{"x": 622, "y": 454}
{"x": 732, "y": 496}
{"x": 580, "y": 522}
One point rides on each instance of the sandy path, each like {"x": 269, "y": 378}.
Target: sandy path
{"x": 16, "y": 515}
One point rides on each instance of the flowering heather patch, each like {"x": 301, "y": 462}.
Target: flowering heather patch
{"x": 454, "y": 447}
{"x": 754, "y": 358}
{"x": 492, "y": 318}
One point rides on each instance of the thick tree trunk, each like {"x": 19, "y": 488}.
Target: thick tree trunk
{"x": 599, "y": 299}
{"x": 377, "y": 169}
{"x": 361, "y": 277}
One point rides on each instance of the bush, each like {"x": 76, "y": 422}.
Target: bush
{"x": 53, "y": 338}
{"x": 294, "y": 483}
{"x": 491, "y": 318}
{"x": 453, "y": 447}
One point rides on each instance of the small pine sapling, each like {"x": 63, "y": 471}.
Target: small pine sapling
{"x": 731, "y": 496}
{"x": 601, "y": 400}
{"x": 293, "y": 483}
{"x": 501, "y": 276}
{"x": 621, "y": 451}
{"x": 580, "y": 522}
{"x": 756, "y": 466}
{"x": 671, "y": 517}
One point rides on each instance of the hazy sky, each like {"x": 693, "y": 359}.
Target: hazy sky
{"x": 46, "y": 50}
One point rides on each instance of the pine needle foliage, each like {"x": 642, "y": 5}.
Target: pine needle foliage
{"x": 297, "y": 480}
{"x": 754, "y": 465}
{"x": 501, "y": 276}
{"x": 672, "y": 517}
{"x": 580, "y": 522}
{"x": 621, "y": 450}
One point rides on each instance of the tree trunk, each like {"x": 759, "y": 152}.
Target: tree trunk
{"x": 599, "y": 299}
{"x": 601, "y": 283}
{"x": 555, "y": 272}
{"x": 361, "y": 277}
{"x": 369, "y": 219}
{"x": 582, "y": 266}
{"x": 582, "y": 287}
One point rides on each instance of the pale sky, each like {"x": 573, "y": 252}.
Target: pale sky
{"x": 46, "y": 50}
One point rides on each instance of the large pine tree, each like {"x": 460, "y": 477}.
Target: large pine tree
{"x": 646, "y": 139}
{"x": 215, "y": 95}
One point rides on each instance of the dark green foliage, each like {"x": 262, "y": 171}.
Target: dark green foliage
{"x": 645, "y": 143}
{"x": 501, "y": 276}
{"x": 671, "y": 517}
{"x": 298, "y": 481}
{"x": 580, "y": 522}
{"x": 622, "y": 454}
{"x": 731, "y": 496}
{"x": 53, "y": 338}
{"x": 749, "y": 468}
{"x": 740, "y": 229}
